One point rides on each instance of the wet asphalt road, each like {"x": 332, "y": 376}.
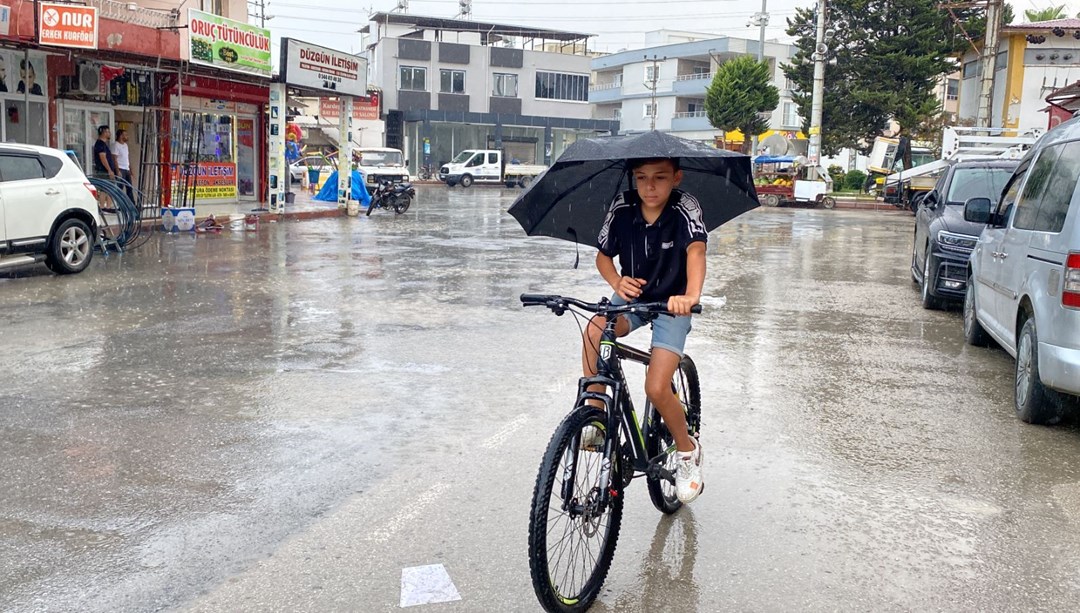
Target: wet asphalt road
{"x": 284, "y": 421}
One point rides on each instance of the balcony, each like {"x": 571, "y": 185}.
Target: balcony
{"x": 130, "y": 12}
{"x": 691, "y": 84}
{"x": 605, "y": 92}
{"x": 692, "y": 121}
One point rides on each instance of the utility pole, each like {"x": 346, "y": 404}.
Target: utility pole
{"x": 989, "y": 63}
{"x": 761, "y": 20}
{"x": 817, "y": 102}
{"x": 653, "y": 85}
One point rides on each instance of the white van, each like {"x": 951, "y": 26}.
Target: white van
{"x": 1023, "y": 285}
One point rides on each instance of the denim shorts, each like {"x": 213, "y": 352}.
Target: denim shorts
{"x": 668, "y": 332}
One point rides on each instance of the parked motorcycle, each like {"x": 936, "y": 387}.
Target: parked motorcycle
{"x": 395, "y": 196}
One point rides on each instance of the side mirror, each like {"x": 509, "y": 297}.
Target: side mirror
{"x": 930, "y": 200}
{"x": 977, "y": 210}
{"x": 406, "y": 162}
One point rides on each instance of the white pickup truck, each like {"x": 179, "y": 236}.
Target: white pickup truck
{"x": 487, "y": 166}
{"x": 382, "y": 164}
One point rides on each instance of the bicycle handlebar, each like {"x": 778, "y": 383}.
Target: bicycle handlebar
{"x": 560, "y": 303}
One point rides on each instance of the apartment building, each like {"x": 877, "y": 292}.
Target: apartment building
{"x": 451, "y": 84}
{"x": 1033, "y": 61}
{"x": 665, "y": 84}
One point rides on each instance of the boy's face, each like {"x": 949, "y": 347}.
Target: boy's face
{"x": 655, "y": 181}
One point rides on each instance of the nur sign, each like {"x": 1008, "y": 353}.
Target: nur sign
{"x": 68, "y": 25}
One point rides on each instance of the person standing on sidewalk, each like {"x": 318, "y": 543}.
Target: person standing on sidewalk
{"x": 123, "y": 162}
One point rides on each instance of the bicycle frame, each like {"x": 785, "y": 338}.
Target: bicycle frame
{"x": 620, "y": 414}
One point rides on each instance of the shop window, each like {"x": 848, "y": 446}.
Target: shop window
{"x": 506, "y": 86}
{"x": 413, "y": 78}
{"x": 452, "y": 81}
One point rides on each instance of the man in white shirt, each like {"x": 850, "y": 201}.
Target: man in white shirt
{"x": 123, "y": 162}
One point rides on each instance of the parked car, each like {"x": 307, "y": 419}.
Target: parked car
{"x": 299, "y": 168}
{"x": 1023, "y": 288}
{"x": 48, "y": 210}
{"x": 943, "y": 239}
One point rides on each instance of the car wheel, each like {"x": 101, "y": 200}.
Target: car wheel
{"x": 466, "y": 181}
{"x": 71, "y": 247}
{"x": 828, "y": 202}
{"x": 771, "y": 200}
{"x": 974, "y": 334}
{"x": 1035, "y": 404}
{"x": 929, "y": 300}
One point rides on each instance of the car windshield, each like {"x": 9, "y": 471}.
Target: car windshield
{"x": 380, "y": 158}
{"x": 462, "y": 157}
{"x": 970, "y": 183}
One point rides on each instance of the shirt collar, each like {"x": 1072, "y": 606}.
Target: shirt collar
{"x": 673, "y": 200}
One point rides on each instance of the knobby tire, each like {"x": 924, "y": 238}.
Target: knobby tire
{"x": 546, "y": 586}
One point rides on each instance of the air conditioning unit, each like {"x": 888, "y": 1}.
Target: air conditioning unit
{"x": 90, "y": 81}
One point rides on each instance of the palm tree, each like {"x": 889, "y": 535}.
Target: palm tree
{"x": 1047, "y": 14}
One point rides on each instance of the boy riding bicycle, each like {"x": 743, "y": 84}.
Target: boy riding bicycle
{"x": 658, "y": 235}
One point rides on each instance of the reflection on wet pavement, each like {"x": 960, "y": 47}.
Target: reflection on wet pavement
{"x": 285, "y": 420}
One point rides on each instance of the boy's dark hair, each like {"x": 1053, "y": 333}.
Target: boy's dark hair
{"x": 101, "y": 130}
{"x": 639, "y": 162}
{"x": 120, "y": 132}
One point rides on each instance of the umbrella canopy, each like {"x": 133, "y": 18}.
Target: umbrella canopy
{"x": 570, "y": 199}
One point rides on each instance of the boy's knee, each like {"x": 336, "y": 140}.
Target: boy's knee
{"x": 657, "y": 390}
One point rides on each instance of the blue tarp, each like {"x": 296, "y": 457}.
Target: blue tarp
{"x": 774, "y": 159}
{"x": 329, "y": 191}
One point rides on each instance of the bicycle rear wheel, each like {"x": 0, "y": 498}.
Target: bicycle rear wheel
{"x": 658, "y": 439}
{"x": 572, "y": 535}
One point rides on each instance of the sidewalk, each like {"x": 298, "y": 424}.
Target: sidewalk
{"x": 303, "y": 207}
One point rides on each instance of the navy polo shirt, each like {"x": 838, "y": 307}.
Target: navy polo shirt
{"x": 655, "y": 252}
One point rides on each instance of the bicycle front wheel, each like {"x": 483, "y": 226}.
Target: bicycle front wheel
{"x": 659, "y": 440}
{"x": 572, "y": 531}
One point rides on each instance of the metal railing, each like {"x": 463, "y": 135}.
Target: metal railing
{"x": 131, "y": 12}
{"x": 599, "y": 87}
{"x": 689, "y": 114}
{"x": 695, "y": 76}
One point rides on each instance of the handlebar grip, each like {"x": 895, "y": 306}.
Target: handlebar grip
{"x": 696, "y": 309}
{"x": 535, "y": 299}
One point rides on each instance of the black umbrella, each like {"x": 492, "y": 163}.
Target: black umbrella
{"x": 570, "y": 199}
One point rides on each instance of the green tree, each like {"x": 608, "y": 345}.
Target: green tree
{"x": 741, "y": 90}
{"x": 883, "y": 63}
{"x": 1047, "y": 14}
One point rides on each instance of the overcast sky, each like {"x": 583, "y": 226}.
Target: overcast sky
{"x": 619, "y": 24}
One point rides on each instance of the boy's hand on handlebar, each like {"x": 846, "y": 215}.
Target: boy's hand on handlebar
{"x": 681, "y": 305}
{"x": 629, "y": 288}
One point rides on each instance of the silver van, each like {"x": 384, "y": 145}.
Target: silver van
{"x": 1023, "y": 287}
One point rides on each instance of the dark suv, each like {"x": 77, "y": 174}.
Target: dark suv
{"x": 943, "y": 240}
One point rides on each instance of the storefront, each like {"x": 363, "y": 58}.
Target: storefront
{"x": 228, "y": 147}
{"x": 23, "y": 93}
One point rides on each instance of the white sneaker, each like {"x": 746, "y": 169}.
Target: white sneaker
{"x": 688, "y": 480}
{"x": 592, "y": 438}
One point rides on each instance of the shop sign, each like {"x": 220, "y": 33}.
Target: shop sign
{"x": 213, "y": 180}
{"x": 322, "y": 69}
{"x": 227, "y": 44}
{"x": 68, "y": 25}
{"x": 363, "y": 108}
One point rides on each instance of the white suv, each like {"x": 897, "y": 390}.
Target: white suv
{"x": 48, "y": 210}
{"x": 1024, "y": 276}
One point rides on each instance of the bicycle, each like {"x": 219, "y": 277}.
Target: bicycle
{"x": 424, "y": 173}
{"x": 583, "y": 484}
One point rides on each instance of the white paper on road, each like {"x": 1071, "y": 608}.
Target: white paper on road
{"x": 427, "y": 585}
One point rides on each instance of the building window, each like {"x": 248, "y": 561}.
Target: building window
{"x": 791, "y": 115}
{"x": 452, "y": 81}
{"x": 972, "y": 69}
{"x": 652, "y": 72}
{"x": 952, "y": 89}
{"x": 650, "y": 110}
{"x": 1002, "y": 61}
{"x": 211, "y": 6}
{"x": 506, "y": 86}
{"x": 562, "y": 86}
{"x": 616, "y": 114}
{"x": 413, "y": 78}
